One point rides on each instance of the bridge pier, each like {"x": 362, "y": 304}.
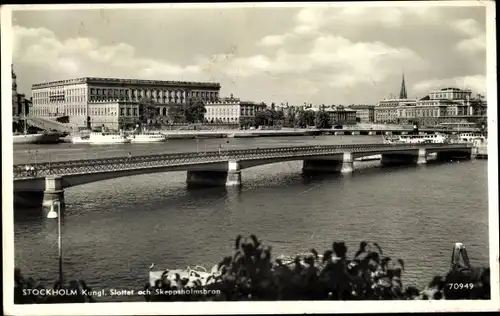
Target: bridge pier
{"x": 54, "y": 192}
{"x": 233, "y": 174}
{"x": 411, "y": 158}
{"x": 421, "y": 156}
{"x": 345, "y": 165}
{"x": 210, "y": 178}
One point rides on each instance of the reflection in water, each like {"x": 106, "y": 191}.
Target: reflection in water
{"x": 114, "y": 229}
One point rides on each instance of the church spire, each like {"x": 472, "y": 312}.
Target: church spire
{"x": 402, "y": 92}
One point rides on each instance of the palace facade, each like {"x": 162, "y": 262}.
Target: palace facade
{"x": 78, "y": 98}
{"x": 232, "y": 111}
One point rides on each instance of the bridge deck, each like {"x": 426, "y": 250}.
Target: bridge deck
{"x": 24, "y": 171}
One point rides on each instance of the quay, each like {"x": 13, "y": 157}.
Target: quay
{"x": 45, "y": 185}
{"x": 253, "y": 133}
{"x": 482, "y": 151}
{"x": 182, "y": 134}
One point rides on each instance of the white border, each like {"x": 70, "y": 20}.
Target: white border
{"x": 245, "y": 307}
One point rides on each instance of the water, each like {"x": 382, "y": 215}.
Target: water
{"x": 67, "y": 151}
{"x": 113, "y": 230}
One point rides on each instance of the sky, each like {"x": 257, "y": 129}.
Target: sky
{"x": 313, "y": 54}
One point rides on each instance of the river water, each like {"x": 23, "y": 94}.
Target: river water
{"x": 113, "y": 230}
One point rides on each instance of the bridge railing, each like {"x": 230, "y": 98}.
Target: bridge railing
{"x": 27, "y": 171}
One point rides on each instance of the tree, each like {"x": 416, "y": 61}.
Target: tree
{"x": 176, "y": 114}
{"x": 260, "y": 118}
{"x": 322, "y": 120}
{"x": 306, "y": 118}
{"x": 148, "y": 111}
{"x": 194, "y": 110}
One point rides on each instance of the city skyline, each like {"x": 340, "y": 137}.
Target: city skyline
{"x": 311, "y": 54}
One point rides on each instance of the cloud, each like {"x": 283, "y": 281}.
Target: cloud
{"x": 476, "y": 36}
{"x": 327, "y": 60}
{"x": 476, "y": 83}
{"x": 41, "y": 47}
{"x": 274, "y": 40}
{"x": 313, "y": 54}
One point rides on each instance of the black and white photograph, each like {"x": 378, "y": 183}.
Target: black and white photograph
{"x": 224, "y": 158}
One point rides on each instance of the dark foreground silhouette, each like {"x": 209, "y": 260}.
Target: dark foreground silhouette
{"x": 251, "y": 274}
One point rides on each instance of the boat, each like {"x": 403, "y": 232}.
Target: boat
{"x": 147, "y": 137}
{"x": 98, "y": 138}
{"x": 471, "y": 138}
{"x": 416, "y": 139}
{"x": 28, "y": 138}
{"x": 194, "y": 275}
{"x": 80, "y": 139}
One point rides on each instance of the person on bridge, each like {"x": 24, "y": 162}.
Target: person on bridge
{"x": 129, "y": 156}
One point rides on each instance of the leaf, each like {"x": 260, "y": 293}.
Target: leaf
{"x": 362, "y": 247}
{"x": 237, "y": 242}
{"x": 402, "y": 263}
{"x": 256, "y": 242}
{"x": 378, "y": 248}
{"x": 315, "y": 253}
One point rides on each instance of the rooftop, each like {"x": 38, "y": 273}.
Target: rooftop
{"x": 119, "y": 81}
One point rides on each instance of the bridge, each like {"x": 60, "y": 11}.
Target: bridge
{"x": 48, "y": 124}
{"x": 45, "y": 184}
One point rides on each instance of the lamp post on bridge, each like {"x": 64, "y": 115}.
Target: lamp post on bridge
{"x": 33, "y": 156}
{"x": 53, "y": 214}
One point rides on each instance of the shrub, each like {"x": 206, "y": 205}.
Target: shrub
{"x": 251, "y": 274}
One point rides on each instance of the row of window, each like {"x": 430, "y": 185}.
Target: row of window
{"x": 227, "y": 111}
{"x": 151, "y": 93}
{"x": 450, "y": 95}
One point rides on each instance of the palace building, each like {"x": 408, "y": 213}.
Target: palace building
{"x": 83, "y": 97}
{"x": 232, "y": 111}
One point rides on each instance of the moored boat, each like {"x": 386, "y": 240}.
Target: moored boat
{"x": 98, "y": 138}
{"x": 28, "y": 138}
{"x": 80, "y": 139}
{"x": 471, "y": 138}
{"x": 147, "y": 137}
{"x": 416, "y": 139}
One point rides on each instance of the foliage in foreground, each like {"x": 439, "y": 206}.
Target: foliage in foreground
{"x": 251, "y": 274}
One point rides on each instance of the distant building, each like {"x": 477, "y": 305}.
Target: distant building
{"x": 113, "y": 114}
{"x": 364, "y": 113}
{"x": 74, "y": 97}
{"x": 339, "y": 114}
{"x": 387, "y": 111}
{"x": 20, "y": 105}
{"x": 447, "y": 105}
{"x": 232, "y": 111}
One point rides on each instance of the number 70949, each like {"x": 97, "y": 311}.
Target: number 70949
{"x": 460, "y": 286}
